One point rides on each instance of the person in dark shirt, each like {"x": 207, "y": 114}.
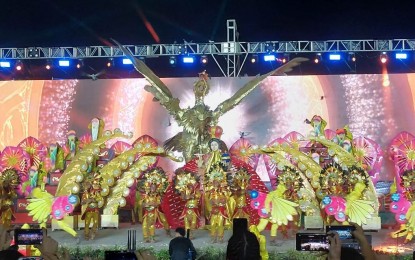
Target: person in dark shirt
{"x": 180, "y": 247}
{"x": 243, "y": 244}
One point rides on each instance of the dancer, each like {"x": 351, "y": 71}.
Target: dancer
{"x": 91, "y": 202}
{"x": 187, "y": 186}
{"x": 152, "y": 185}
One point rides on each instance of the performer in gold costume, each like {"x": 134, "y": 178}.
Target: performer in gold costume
{"x": 196, "y": 120}
{"x": 217, "y": 196}
{"x": 239, "y": 182}
{"x": 9, "y": 180}
{"x": 152, "y": 185}
{"x": 91, "y": 202}
{"x": 186, "y": 185}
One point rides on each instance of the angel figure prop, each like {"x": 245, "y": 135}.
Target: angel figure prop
{"x": 196, "y": 120}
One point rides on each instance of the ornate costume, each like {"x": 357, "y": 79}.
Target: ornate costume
{"x": 153, "y": 185}
{"x": 91, "y": 202}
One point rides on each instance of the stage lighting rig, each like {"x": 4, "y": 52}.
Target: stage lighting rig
{"x": 204, "y": 59}
{"x": 383, "y": 58}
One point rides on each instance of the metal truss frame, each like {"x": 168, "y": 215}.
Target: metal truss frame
{"x": 232, "y": 50}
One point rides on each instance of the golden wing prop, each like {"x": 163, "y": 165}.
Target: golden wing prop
{"x": 126, "y": 180}
{"x": 230, "y": 103}
{"x": 282, "y": 210}
{"x": 159, "y": 90}
{"x": 345, "y": 158}
{"x": 277, "y": 154}
{"x": 305, "y": 164}
{"x": 73, "y": 174}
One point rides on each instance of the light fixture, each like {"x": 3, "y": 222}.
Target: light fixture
{"x": 19, "y": 65}
{"x": 33, "y": 52}
{"x": 64, "y": 63}
{"x": 48, "y": 65}
{"x": 401, "y": 55}
{"x": 127, "y": 62}
{"x": 269, "y": 57}
{"x": 335, "y": 56}
{"x": 172, "y": 60}
{"x": 383, "y": 58}
{"x": 4, "y": 64}
{"x": 188, "y": 59}
{"x": 110, "y": 63}
{"x": 79, "y": 64}
{"x": 204, "y": 59}
{"x": 352, "y": 57}
{"x": 254, "y": 58}
{"x": 317, "y": 58}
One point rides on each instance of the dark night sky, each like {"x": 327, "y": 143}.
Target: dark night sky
{"x": 63, "y": 23}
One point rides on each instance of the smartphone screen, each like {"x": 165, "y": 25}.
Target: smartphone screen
{"x": 28, "y": 236}
{"x": 312, "y": 242}
{"x": 345, "y": 232}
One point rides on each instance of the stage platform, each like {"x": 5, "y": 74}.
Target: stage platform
{"x": 111, "y": 237}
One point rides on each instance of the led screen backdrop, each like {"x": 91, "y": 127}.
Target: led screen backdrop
{"x": 374, "y": 106}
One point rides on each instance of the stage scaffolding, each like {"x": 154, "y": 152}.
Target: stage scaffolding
{"x": 235, "y": 53}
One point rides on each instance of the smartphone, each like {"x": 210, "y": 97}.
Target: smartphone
{"x": 28, "y": 236}
{"x": 311, "y": 242}
{"x": 345, "y": 232}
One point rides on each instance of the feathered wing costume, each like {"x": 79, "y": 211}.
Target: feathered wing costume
{"x": 197, "y": 119}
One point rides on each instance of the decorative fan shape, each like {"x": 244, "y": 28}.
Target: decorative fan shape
{"x": 36, "y": 150}
{"x": 404, "y": 158}
{"x": 239, "y": 149}
{"x": 398, "y": 140}
{"x": 15, "y": 157}
{"x": 85, "y": 140}
{"x": 330, "y": 134}
{"x": 364, "y": 151}
{"x": 120, "y": 146}
{"x": 295, "y": 139}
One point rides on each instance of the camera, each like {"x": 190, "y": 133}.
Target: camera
{"x": 28, "y": 236}
{"x": 345, "y": 232}
{"x": 311, "y": 242}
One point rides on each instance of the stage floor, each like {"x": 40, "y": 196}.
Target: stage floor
{"x": 109, "y": 238}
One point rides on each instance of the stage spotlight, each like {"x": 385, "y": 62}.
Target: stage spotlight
{"x": 48, "y": 65}
{"x": 401, "y": 56}
{"x": 254, "y": 58}
{"x": 79, "y": 64}
{"x": 64, "y": 63}
{"x": 204, "y": 59}
{"x": 127, "y": 62}
{"x": 269, "y": 47}
{"x": 335, "y": 56}
{"x": 269, "y": 57}
{"x": 33, "y": 53}
{"x": 19, "y": 65}
{"x": 172, "y": 61}
{"x": 188, "y": 59}
{"x": 383, "y": 58}
{"x": 110, "y": 63}
{"x": 352, "y": 57}
{"x": 5, "y": 64}
{"x": 317, "y": 58}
